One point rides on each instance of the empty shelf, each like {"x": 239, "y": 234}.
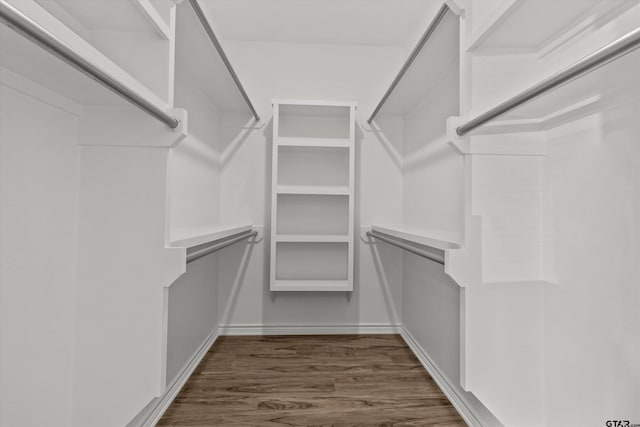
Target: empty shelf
{"x": 432, "y": 239}
{"x": 313, "y": 142}
{"x": 312, "y": 189}
{"x": 331, "y": 238}
{"x": 311, "y": 285}
{"x": 195, "y": 236}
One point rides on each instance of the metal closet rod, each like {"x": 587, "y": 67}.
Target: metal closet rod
{"x": 603, "y": 56}
{"x": 217, "y": 246}
{"x": 406, "y": 247}
{"x": 414, "y": 54}
{"x": 15, "y": 19}
{"x": 216, "y": 43}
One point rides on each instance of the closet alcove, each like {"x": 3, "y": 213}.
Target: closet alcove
{"x": 173, "y": 172}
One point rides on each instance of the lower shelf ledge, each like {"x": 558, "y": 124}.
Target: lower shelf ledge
{"x": 312, "y": 285}
{"x": 195, "y": 236}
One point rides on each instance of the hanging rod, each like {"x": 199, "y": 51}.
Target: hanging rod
{"x": 414, "y": 54}
{"x": 219, "y": 245}
{"x": 216, "y": 43}
{"x": 18, "y": 21}
{"x": 399, "y": 243}
{"x": 601, "y": 57}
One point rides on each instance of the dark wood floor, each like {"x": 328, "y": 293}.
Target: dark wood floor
{"x": 337, "y": 380}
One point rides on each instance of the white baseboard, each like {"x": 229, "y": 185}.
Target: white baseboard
{"x": 354, "y": 329}
{"x": 172, "y": 390}
{"x": 458, "y": 401}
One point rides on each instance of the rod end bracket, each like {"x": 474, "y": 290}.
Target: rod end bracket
{"x": 460, "y": 144}
{"x": 181, "y": 131}
{"x": 260, "y": 230}
{"x": 364, "y": 230}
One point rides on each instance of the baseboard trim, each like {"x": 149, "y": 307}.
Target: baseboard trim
{"x": 355, "y": 329}
{"x": 458, "y": 401}
{"x": 172, "y": 390}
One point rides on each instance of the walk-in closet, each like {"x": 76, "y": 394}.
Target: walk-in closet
{"x": 319, "y": 212}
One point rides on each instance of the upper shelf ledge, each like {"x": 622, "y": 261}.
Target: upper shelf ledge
{"x": 35, "y": 23}
{"x": 584, "y": 79}
{"x": 208, "y": 28}
{"x": 141, "y": 16}
{"x": 435, "y": 55}
{"x": 523, "y": 26}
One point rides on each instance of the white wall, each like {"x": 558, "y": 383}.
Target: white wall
{"x": 123, "y": 266}
{"x": 244, "y": 294}
{"x": 194, "y": 175}
{"x": 308, "y": 71}
{"x": 591, "y": 316}
{"x": 433, "y": 173}
{"x": 192, "y": 312}
{"x": 560, "y": 232}
{"x": 434, "y": 200}
{"x": 38, "y": 218}
{"x": 194, "y": 165}
{"x": 314, "y": 71}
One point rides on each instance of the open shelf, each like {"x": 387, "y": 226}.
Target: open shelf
{"x": 594, "y": 92}
{"x": 199, "y": 64}
{"x": 26, "y": 58}
{"x": 315, "y": 120}
{"x": 436, "y": 58}
{"x": 311, "y": 285}
{"x": 312, "y": 196}
{"x": 312, "y": 215}
{"x": 313, "y": 166}
{"x": 84, "y": 17}
{"x": 313, "y": 238}
{"x": 531, "y": 26}
{"x": 196, "y": 236}
{"x": 433, "y": 239}
{"x": 131, "y": 33}
{"x": 312, "y": 261}
{"x": 312, "y": 142}
{"x": 334, "y": 190}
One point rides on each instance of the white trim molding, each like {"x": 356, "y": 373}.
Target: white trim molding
{"x": 172, "y": 390}
{"x": 290, "y": 329}
{"x": 459, "y": 401}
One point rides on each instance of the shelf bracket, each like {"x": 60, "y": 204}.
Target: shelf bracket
{"x": 460, "y": 144}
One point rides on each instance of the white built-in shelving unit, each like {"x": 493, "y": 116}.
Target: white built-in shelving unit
{"x": 312, "y": 196}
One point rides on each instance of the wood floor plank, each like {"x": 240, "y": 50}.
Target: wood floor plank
{"x": 332, "y": 380}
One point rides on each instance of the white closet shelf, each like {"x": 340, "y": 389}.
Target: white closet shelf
{"x": 210, "y": 67}
{"x": 594, "y": 83}
{"x": 529, "y": 27}
{"x": 311, "y": 285}
{"x": 314, "y": 189}
{"x": 196, "y": 236}
{"x": 313, "y": 238}
{"x": 312, "y": 103}
{"x": 126, "y": 16}
{"x": 433, "y": 239}
{"x": 434, "y": 58}
{"x": 312, "y": 142}
{"x": 31, "y": 61}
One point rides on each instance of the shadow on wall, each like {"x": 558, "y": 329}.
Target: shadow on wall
{"x": 391, "y": 149}
{"x": 236, "y": 130}
{"x": 238, "y": 261}
{"x": 378, "y": 252}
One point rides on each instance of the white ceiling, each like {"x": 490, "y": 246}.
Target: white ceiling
{"x": 345, "y": 22}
